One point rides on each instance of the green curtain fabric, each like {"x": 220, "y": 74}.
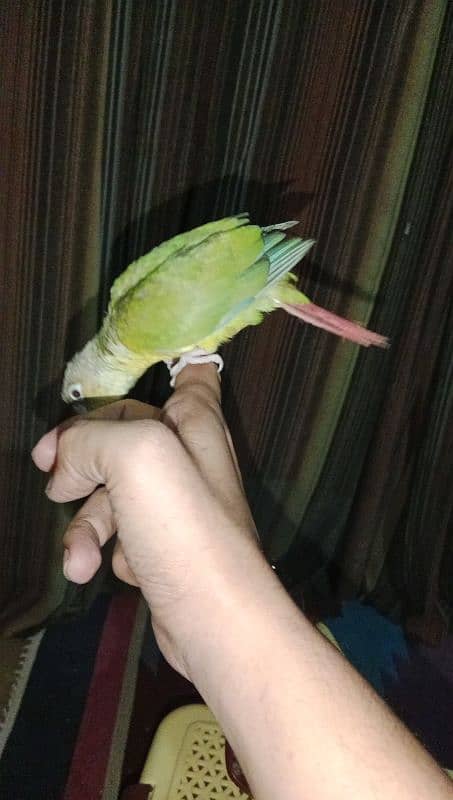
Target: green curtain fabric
{"x": 126, "y": 122}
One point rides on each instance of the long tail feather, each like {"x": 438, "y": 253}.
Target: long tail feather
{"x": 315, "y": 315}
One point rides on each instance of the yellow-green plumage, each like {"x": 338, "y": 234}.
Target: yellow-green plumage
{"x": 198, "y": 289}
{"x": 180, "y": 303}
{"x": 150, "y": 261}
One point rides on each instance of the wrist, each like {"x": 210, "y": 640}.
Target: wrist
{"x": 239, "y": 596}
{"x": 226, "y": 585}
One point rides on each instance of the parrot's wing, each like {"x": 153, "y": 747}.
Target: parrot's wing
{"x": 145, "y": 265}
{"x": 282, "y": 254}
{"x": 181, "y": 302}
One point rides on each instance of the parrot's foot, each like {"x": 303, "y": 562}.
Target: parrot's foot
{"x": 195, "y": 356}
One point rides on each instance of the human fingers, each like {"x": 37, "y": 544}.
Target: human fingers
{"x": 194, "y": 413}
{"x": 85, "y": 536}
{"x": 202, "y": 377}
{"x": 126, "y": 409}
{"x": 87, "y": 533}
{"x": 44, "y": 452}
{"x": 95, "y": 451}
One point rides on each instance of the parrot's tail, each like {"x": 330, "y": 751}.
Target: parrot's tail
{"x": 315, "y": 315}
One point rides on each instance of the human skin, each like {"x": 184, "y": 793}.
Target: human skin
{"x": 301, "y": 721}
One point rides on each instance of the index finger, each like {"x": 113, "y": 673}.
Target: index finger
{"x": 204, "y": 377}
{"x": 194, "y": 412}
{"x": 45, "y": 450}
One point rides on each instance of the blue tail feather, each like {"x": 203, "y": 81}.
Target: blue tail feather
{"x": 284, "y": 256}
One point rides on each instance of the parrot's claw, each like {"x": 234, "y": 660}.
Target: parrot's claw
{"x": 195, "y": 356}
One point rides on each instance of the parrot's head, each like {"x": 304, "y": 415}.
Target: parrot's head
{"x": 91, "y": 380}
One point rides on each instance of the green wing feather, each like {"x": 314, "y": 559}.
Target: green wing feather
{"x": 143, "y": 266}
{"x": 200, "y": 288}
{"x": 182, "y": 300}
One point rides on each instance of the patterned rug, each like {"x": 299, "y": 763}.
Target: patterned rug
{"x": 66, "y": 721}
{"x": 82, "y": 700}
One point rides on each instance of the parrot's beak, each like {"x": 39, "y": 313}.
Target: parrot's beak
{"x": 80, "y": 408}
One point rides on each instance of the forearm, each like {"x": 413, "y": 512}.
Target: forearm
{"x": 301, "y": 721}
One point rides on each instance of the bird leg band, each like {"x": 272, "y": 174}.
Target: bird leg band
{"x": 195, "y": 356}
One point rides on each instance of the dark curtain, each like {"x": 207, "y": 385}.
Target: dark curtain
{"x": 126, "y": 122}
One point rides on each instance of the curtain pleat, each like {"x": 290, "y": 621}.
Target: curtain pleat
{"x": 52, "y": 104}
{"x": 133, "y": 121}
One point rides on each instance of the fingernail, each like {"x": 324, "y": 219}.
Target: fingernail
{"x": 66, "y": 563}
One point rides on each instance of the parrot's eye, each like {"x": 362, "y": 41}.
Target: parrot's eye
{"x": 75, "y": 391}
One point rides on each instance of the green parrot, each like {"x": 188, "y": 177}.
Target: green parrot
{"x": 191, "y": 294}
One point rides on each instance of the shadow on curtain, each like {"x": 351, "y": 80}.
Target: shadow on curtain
{"x": 125, "y": 123}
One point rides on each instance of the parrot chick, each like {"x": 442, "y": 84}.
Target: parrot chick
{"x": 196, "y": 290}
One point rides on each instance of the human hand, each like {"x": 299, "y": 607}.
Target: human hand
{"x": 171, "y": 489}
{"x": 168, "y": 483}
